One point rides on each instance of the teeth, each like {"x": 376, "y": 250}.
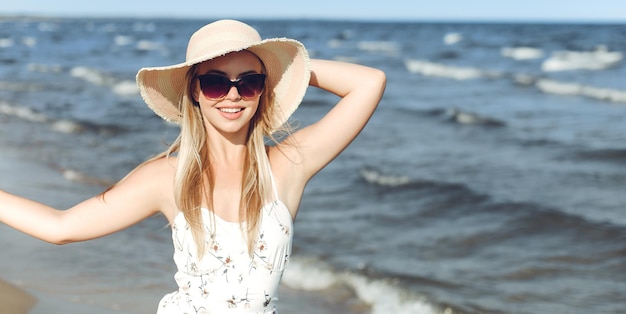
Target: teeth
{"x": 230, "y": 110}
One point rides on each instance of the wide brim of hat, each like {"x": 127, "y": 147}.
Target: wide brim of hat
{"x": 287, "y": 66}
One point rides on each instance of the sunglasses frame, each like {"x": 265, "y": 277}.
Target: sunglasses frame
{"x": 240, "y": 83}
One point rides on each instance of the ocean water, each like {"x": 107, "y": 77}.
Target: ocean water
{"x": 490, "y": 180}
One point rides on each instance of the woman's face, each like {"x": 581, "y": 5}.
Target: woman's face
{"x": 230, "y": 114}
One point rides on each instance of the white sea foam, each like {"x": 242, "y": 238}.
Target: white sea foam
{"x": 334, "y": 43}
{"x": 44, "y": 68}
{"x": 309, "y": 275}
{"x": 385, "y": 297}
{"x": 125, "y": 88}
{"x": 522, "y": 53}
{"x": 382, "y": 295}
{"x": 29, "y": 41}
{"x": 428, "y": 68}
{"x": 67, "y": 126}
{"x": 89, "y": 75}
{"x": 118, "y": 87}
{"x": 122, "y": 40}
{"x": 374, "y": 176}
{"x": 378, "y": 46}
{"x": 550, "y": 86}
{"x": 24, "y": 113}
{"x": 452, "y": 38}
{"x": 6, "y": 42}
{"x": 598, "y": 59}
{"x": 31, "y": 115}
{"x": 524, "y": 79}
{"x": 462, "y": 117}
{"x": 147, "y": 45}
{"x": 575, "y": 89}
{"x": 76, "y": 176}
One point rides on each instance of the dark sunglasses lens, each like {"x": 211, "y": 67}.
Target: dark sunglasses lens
{"x": 214, "y": 86}
{"x": 217, "y": 86}
{"x": 250, "y": 86}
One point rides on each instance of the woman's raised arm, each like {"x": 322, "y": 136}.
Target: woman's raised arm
{"x": 360, "y": 89}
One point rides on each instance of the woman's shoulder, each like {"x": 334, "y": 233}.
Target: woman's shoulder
{"x": 157, "y": 167}
{"x": 155, "y": 176}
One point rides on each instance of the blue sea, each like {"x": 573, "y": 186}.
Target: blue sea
{"x": 492, "y": 178}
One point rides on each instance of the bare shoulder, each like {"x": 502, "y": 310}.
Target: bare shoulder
{"x": 152, "y": 183}
{"x": 155, "y": 172}
{"x": 163, "y": 166}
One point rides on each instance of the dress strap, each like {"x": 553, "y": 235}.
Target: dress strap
{"x": 274, "y": 185}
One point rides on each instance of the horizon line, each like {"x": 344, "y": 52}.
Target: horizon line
{"x": 322, "y": 18}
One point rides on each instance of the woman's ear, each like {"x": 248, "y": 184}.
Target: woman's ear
{"x": 193, "y": 85}
{"x": 195, "y": 93}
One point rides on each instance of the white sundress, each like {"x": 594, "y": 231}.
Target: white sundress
{"x": 227, "y": 279}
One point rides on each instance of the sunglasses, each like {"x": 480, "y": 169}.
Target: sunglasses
{"x": 215, "y": 86}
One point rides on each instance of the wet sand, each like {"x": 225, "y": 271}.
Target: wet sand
{"x": 14, "y": 300}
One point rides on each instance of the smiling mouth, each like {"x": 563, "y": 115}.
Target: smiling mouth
{"x": 230, "y": 110}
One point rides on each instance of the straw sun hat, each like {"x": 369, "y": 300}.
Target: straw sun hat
{"x": 286, "y": 63}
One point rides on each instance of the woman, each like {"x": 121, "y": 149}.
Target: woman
{"x": 229, "y": 196}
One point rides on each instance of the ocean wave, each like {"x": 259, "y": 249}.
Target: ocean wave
{"x": 20, "y": 87}
{"x": 611, "y": 155}
{"x": 6, "y": 42}
{"x": 388, "y": 47}
{"x": 90, "y": 75}
{"x": 451, "y": 193}
{"x": 522, "y": 53}
{"x": 452, "y": 38}
{"x": 334, "y": 43}
{"x": 462, "y": 117}
{"x": 24, "y": 113}
{"x": 382, "y": 295}
{"x": 374, "y": 176}
{"x": 79, "y": 177}
{"x": 599, "y": 59}
{"x": 76, "y": 176}
{"x": 147, "y": 27}
{"x": 66, "y": 126}
{"x": 44, "y": 68}
{"x": 427, "y": 68}
{"x": 29, "y": 41}
{"x": 96, "y": 77}
{"x": 574, "y": 89}
{"x": 125, "y": 88}
{"x": 147, "y": 45}
{"x": 48, "y": 27}
{"x": 470, "y": 118}
{"x": 123, "y": 40}
{"x": 549, "y": 86}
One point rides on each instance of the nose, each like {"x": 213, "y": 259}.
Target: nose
{"x": 233, "y": 93}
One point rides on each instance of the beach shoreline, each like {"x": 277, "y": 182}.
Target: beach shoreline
{"x": 15, "y": 300}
